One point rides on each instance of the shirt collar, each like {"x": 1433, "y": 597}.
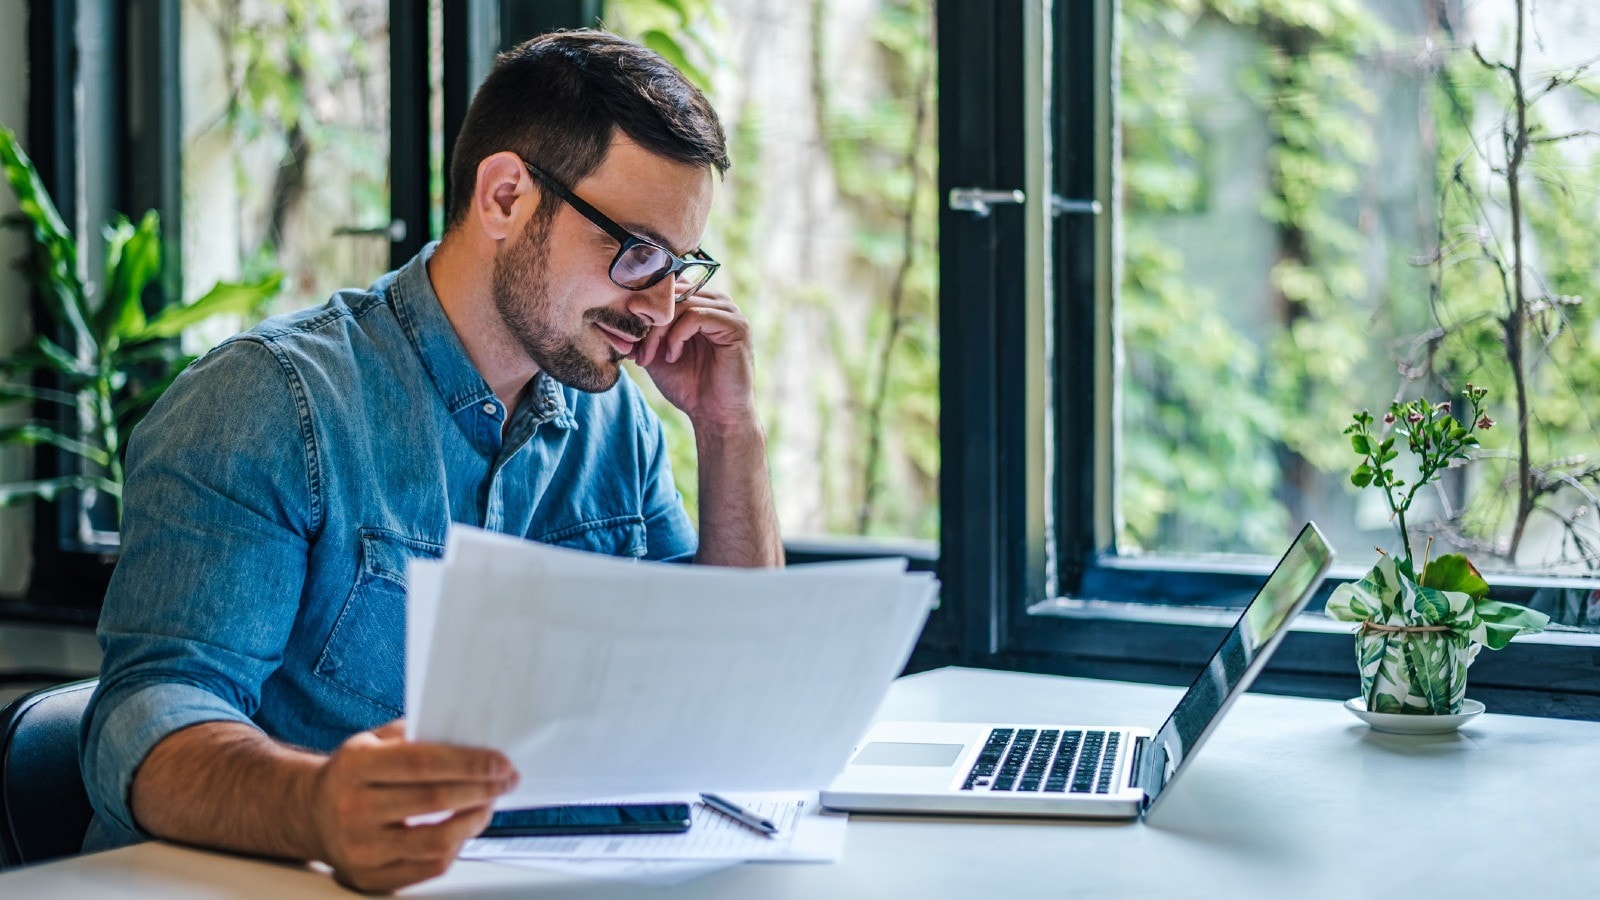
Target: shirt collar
{"x": 443, "y": 356}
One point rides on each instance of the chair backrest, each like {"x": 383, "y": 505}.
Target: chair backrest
{"x": 44, "y": 811}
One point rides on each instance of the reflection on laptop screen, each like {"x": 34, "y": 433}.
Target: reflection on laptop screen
{"x": 1235, "y": 663}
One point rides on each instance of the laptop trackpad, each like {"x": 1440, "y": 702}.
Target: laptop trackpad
{"x": 890, "y": 753}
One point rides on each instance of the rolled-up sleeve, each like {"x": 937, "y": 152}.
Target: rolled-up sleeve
{"x": 219, "y": 509}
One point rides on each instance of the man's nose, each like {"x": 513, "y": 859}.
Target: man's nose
{"x": 655, "y": 304}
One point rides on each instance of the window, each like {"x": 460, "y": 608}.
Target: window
{"x": 285, "y": 155}
{"x": 1109, "y": 400}
{"x": 242, "y": 116}
{"x": 828, "y": 228}
{"x": 1270, "y": 179}
{"x": 1352, "y": 155}
{"x": 307, "y": 138}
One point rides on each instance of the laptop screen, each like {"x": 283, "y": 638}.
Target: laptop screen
{"x": 1243, "y": 653}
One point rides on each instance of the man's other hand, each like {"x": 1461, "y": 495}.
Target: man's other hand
{"x": 376, "y": 781}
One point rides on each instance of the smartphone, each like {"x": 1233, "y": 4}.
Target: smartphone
{"x": 634, "y": 818}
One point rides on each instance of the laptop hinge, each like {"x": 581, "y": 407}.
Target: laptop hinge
{"x": 1139, "y": 745}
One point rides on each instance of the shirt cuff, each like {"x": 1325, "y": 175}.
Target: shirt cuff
{"x": 124, "y": 729}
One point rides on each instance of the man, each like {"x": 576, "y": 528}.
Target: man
{"x": 254, "y": 629}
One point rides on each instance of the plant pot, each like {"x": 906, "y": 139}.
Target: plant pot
{"x": 1413, "y": 672}
{"x": 1418, "y": 636}
{"x": 1414, "y": 644}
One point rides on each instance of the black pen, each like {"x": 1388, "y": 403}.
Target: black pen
{"x": 739, "y": 814}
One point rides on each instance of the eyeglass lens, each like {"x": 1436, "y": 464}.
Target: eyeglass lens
{"x": 642, "y": 265}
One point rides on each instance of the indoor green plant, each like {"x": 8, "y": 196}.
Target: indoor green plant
{"x": 1421, "y": 625}
{"x": 113, "y": 361}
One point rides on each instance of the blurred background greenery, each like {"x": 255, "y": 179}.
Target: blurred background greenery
{"x": 1319, "y": 210}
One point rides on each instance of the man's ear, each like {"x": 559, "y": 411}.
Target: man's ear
{"x": 504, "y": 195}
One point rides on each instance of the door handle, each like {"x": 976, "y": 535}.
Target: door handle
{"x": 1061, "y": 206}
{"x": 395, "y": 231}
{"x": 979, "y": 200}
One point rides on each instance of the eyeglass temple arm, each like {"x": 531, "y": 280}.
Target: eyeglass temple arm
{"x": 621, "y": 234}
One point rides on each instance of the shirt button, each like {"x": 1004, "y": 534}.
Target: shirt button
{"x": 490, "y": 409}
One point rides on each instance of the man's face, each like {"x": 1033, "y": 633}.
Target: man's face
{"x": 552, "y": 286}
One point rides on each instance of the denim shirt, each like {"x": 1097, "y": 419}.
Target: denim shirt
{"x": 276, "y": 492}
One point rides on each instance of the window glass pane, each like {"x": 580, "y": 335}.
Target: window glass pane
{"x": 1320, "y": 211}
{"x": 825, "y": 227}
{"x": 286, "y": 146}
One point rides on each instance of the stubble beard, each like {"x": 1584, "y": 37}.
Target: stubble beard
{"x": 522, "y": 298}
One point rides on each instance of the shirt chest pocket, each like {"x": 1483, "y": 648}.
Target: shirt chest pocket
{"x": 365, "y": 652}
{"x": 614, "y": 536}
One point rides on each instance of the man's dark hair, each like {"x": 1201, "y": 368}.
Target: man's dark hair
{"x": 557, "y": 100}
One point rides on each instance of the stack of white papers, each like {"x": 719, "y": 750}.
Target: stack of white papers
{"x": 602, "y": 677}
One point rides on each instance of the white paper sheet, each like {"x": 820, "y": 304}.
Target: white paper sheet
{"x": 653, "y": 872}
{"x": 806, "y": 833}
{"x": 600, "y": 676}
{"x": 424, "y": 581}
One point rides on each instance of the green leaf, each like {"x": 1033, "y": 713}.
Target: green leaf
{"x": 1452, "y": 572}
{"x": 55, "y": 249}
{"x": 1425, "y": 670}
{"x": 54, "y": 356}
{"x": 33, "y": 435}
{"x": 669, "y": 48}
{"x": 133, "y": 259}
{"x": 1361, "y": 479}
{"x": 166, "y": 352}
{"x": 1432, "y": 605}
{"x": 31, "y": 194}
{"x": 1364, "y": 599}
{"x": 48, "y": 489}
{"x": 17, "y": 393}
{"x": 225, "y": 297}
{"x": 1384, "y": 703}
{"x": 1504, "y": 621}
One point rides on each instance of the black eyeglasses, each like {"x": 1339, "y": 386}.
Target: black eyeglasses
{"x": 640, "y": 263}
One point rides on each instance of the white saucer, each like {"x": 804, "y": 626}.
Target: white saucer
{"x": 1395, "y": 723}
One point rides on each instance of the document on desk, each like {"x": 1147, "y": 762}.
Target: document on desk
{"x": 601, "y": 676}
{"x": 806, "y": 833}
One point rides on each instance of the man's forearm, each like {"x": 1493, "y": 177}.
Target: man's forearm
{"x": 738, "y": 526}
{"x": 227, "y": 785}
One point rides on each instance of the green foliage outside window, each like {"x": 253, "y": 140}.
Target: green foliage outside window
{"x": 1228, "y": 423}
{"x": 1220, "y": 424}
{"x": 1531, "y": 338}
{"x": 869, "y": 412}
{"x": 1341, "y": 145}
{"x": 290, "y": 102}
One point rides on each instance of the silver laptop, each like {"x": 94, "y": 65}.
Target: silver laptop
{"x": 1100, "y": 771}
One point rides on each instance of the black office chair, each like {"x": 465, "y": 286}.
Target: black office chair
{"x": 44, "y": 811}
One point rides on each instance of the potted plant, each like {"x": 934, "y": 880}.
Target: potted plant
{"x": 1421, "y": 623}
{"x": 113, "y": 361}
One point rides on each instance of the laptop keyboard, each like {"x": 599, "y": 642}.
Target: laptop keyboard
{"x": 1045, "y": 760}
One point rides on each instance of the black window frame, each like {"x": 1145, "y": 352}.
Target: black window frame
{"x": 102, "y": 117}
{"x": 1132, "y": 619}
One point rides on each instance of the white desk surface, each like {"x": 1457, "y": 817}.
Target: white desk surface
{"x": 1290, "y": 799}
